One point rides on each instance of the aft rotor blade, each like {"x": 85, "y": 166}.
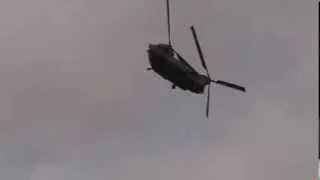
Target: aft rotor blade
{"x": 231, "y": 85}
{"x": 208, "y": 102}
{"x": 168, "y": 22}
{"x": 195, "y": 37}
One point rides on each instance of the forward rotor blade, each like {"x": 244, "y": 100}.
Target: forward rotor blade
{"x": 231, "y": 85}
{"x": 195, "y": 37}
{"x": 208, "y": 102}
{"x": 168, "y": 22}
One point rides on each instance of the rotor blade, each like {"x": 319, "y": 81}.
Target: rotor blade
{"x": 208, "y": 102}
{"x": 195, "y": 37}
{"x": 231, "y": 85}
{"x": 168, "y": 21}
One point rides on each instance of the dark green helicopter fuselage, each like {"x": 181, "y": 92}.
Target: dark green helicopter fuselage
{"x": 176, "y": 70}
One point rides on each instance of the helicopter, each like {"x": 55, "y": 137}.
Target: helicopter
{"x": 170, "y": 65}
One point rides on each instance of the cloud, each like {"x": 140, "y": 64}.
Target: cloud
{"x": 77, "y": 103}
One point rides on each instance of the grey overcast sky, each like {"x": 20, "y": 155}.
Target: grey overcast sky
{"x": 76, "y": 102}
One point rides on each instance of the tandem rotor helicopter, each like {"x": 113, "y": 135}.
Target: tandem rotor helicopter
{"x": 170, "y": 65}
